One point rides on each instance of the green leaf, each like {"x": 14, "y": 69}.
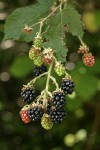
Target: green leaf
{"x": 73, "y": 21}
{"x": 58, "y": 47}
{"x": 55, "y": 28}
{"x": 71, "y": 18}
{"x": 21, "y": 67}
{"x": 27, "y": 15}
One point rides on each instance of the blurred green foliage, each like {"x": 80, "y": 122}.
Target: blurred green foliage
{"x": 80, "y": 130}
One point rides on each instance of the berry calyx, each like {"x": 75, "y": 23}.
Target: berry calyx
{"x": 46, "y": 122}
{"x": 35, "y": 112}
{"x": 67, "y": 86}
{"x": 28, "y": 94}
{"x": 57, "y": 115}
{"x": 58, "y": 99}
{"x": 59, "y": 69}
{"x": 38, "y": 61}
{"x": 88, "y": 59}
{"x": 83, "y": 50}
{"x": 24, "y": 115}
{"x": 27, "y": 29}
{"x": 39, "y": 70}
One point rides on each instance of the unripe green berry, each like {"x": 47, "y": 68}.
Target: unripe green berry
{"x": 46, "y": 122}
{"x": 59, "y": 69}
{"x": 38, "y": 42}
{"x": 38, "y": 61}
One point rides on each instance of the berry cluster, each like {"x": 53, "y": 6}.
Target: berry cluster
{"x": 88, "y": 58}
{"x": 49, "y": 106}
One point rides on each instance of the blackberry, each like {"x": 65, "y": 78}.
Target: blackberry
{"x": 35, "y": 113}
{"x": 67, "y": 86}
{"x": 58, "y": 99}
{"x": 28, "y": 94}
{"x": 39, "y": 70}
{"x": 57, "y": 115}
{"x": 48, "y": 107}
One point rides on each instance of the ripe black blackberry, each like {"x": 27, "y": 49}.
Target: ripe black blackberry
{"x": 57, "y": 115}
{"x": 67, "y": 86}
{"x": 28, "y": 94}
{"x": 58, "y": 99}
{"x": 48, "y": 107}
{"x": 39, "y": 70}
{"x": 35, "y": 113}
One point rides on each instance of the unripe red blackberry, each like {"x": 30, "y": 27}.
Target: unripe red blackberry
{"x": 58, "y": 99}
{"x": 35, "y": 112}
{"x": 24, "y": 115}
{"x": 67, "y": 86}
{"x": 48, "y": 54}
{"x": 88, "y": 59}
{"x": 28, "y": 94}
{"x": 47, "y": 60}
{"x": 57, "y": 115}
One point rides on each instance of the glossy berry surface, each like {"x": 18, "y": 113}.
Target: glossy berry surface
{"x": 24, "y": 116}
{"x": 88, "y": 59}
{"x": 35, "y": 113}
{"x": 57, "y": 115}
{"x": 39, "y": 70}
{"x": 67, "y": 86}
{"x": 28, "y": 94}
{"x": 58, "y": 99}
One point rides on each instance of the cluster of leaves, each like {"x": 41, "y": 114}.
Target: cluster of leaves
{"x": 55, "y": 25}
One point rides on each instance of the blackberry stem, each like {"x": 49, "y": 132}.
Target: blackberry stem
{"x": 67, "y": 75}
{"x": 48, "y": 77}
{"x": 82, "y": 43}
{"x": 54, "y": 81}
{"x": 46, "y": 91}
{"x": 34, "y": 80}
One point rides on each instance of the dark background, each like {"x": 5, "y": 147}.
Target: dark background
{"x": 80, "y": 130}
